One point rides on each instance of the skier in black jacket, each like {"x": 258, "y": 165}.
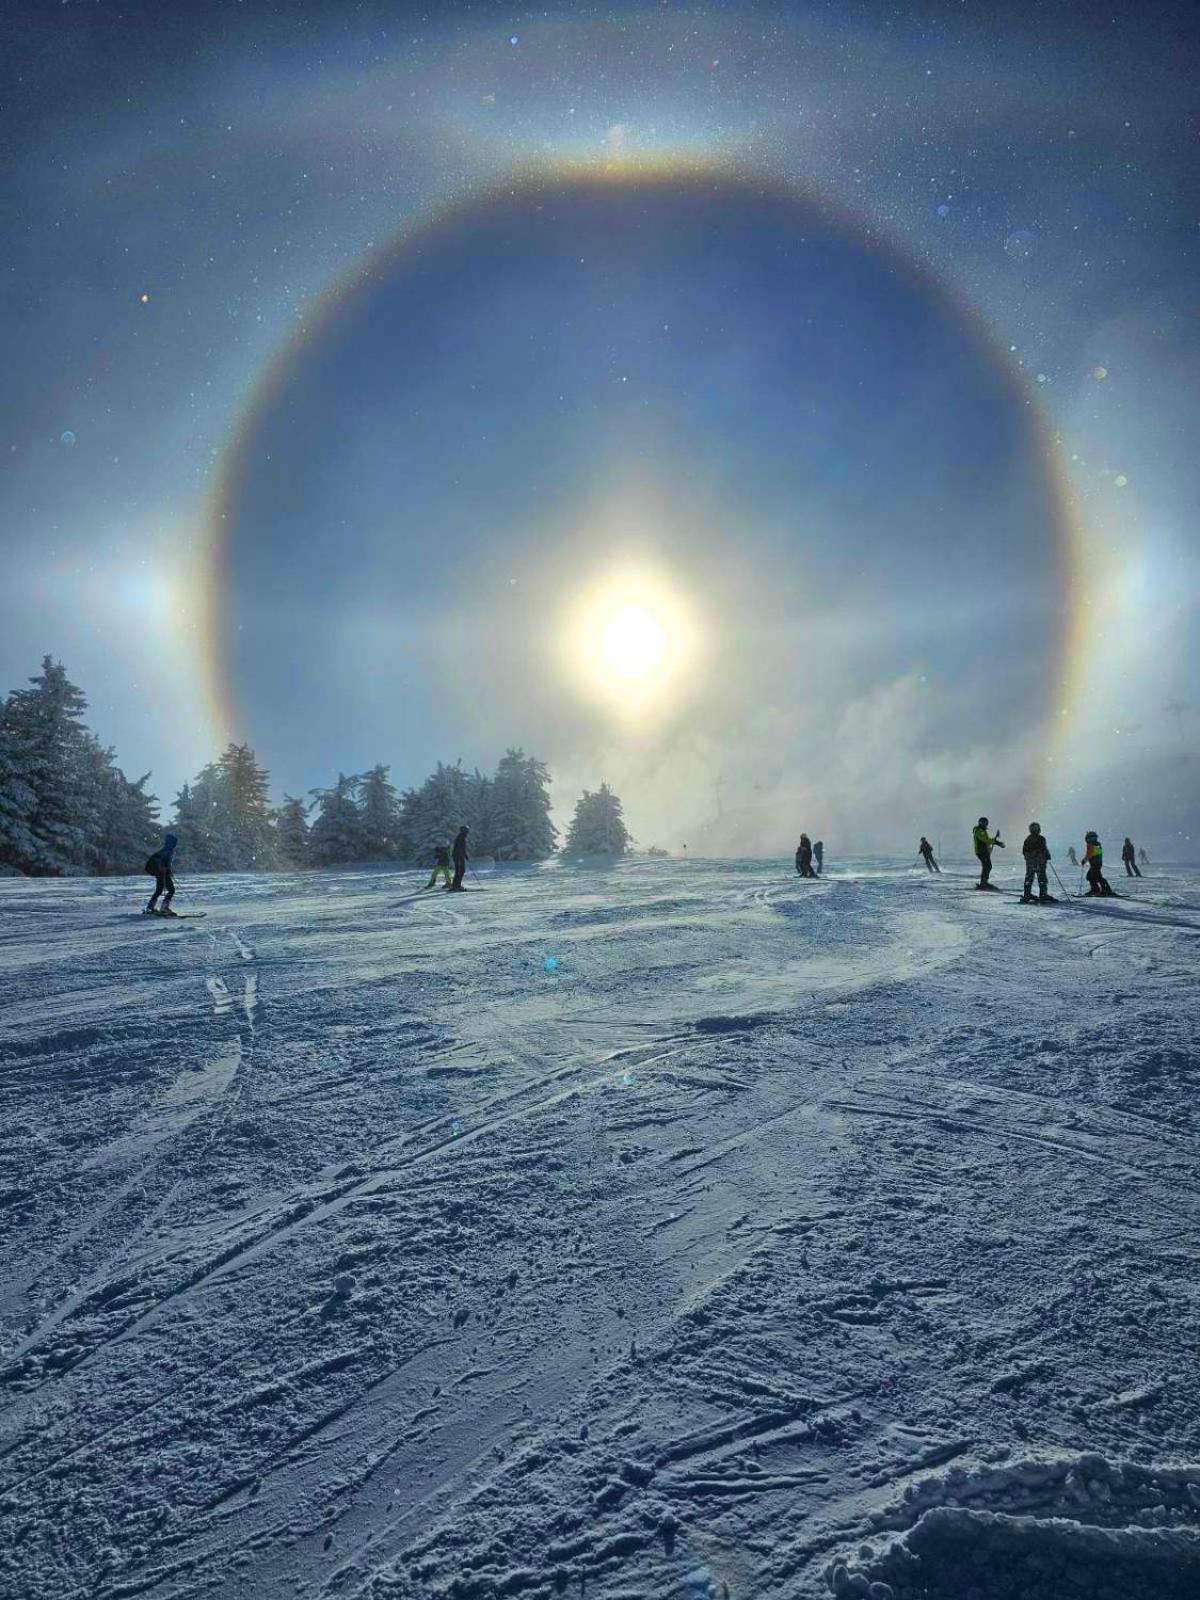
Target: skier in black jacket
{"x": 1037, "y": 858}
{"x": 159, "y": 866}
{"x": 459, "y": 852}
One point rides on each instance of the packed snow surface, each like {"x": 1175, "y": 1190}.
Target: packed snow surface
{"x": 679, "y": 1228}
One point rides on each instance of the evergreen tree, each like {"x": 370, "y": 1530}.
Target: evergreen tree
{"x": 380, "y": 813}
{"x": 292, "y": 832}
{"x": 433, "y": 814}
{"x": 204, "y": 823}
{"x": 251, "y": 832}
{"x": 597, "y": 828}
{"x": 17, "y": 797}
{"x": 46, "y": 748}
{"x": 520, "y": 809}
{"x": 336, "y": 838}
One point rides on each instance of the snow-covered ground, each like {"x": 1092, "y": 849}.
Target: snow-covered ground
{"x": 679, "y": 1229}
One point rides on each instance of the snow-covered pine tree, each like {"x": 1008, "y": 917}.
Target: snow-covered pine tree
{"x": 433, "y": 814}
{"x": 520, "y": 809}
{"x": 335, "y": 838}
{"x": 17, "y": 798}
{"x": 119, "y": 816}
{"x": 46, "y": 743}
{"x": 597, "y": 828}
{"x": 291, "y": 832}
{"x": 204, "y": 823}
{"x": 252, "y": 833}
{"x": 379, "y": 807}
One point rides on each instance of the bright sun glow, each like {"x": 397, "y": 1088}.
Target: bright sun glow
{"x": 633, "y": 641}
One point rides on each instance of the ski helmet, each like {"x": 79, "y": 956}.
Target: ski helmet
{"x": 1092, "y": 838}
{"x": 982, "y": 823}
{"x": 1035, "y": 827}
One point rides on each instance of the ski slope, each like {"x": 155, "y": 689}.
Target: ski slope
{"x": 777, "y": 1239}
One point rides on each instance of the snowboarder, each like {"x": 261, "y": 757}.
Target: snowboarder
{"x": 1127, "y": 856}
{"x": 459, "y": 852}
{"x": 441, "y": 863}
{"x": 804, "y": 857}
{"x": 1093, "y": 860}
{"x": 1143, "y": 858}
{"x": 159, "y": 867}
{"x": 1071, "y": 856}
{"x": 1037, "y": 858}
{"x": 819, "y": 856}
{"x": 926, "y": 849}
{"x": 984, "y": 843}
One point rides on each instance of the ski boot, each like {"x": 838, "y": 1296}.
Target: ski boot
{"x": 167, "y": 912}
{"x": 1047, "y": 900}
{"x": 1028, "y": 900}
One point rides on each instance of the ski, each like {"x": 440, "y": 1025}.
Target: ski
{"x": 176, "y": 916}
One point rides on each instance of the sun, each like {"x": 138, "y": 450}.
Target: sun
{"x": 633, "y": 641}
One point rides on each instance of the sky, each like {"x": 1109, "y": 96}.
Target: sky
{"x": 363, "y": 362}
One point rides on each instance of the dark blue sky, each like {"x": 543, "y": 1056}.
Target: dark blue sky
{"x": 813, "y": 448}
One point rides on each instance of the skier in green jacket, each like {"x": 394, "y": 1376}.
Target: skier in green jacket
{"x": 984, "y": 843}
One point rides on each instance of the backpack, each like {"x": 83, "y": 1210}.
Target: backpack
{"x": 151, "y": 866}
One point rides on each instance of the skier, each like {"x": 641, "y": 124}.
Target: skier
{"x": 926, "y": 849}
{"x": 804, "y": 857}
{"x": 441, "y": 863}
{"x": 159, "y": 867}
{"x": 1127, "y": 856}
{"x": 1071, "y": 856}
{"x": 1037, "y": 857}
{"x": 459, "y": 852}
{"x": 1093, "y": 860}
{"x": 819, "y": 856}
{"x": 984, "y": 843}
{"x": 1143, "y": 858}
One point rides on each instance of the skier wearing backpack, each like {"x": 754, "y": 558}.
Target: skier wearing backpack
{"x": 984, "y": 843}
{"x": 925, "y": 850}
{"x": 159, "y": 867}
{"x": 1127, "y": 856}
{"x": 1037, "y": 858}
{"x": 804, "y": 857}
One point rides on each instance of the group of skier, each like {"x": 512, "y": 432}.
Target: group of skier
{"x": 810, "y": 858}
{"x": 1036, "y": 852}
{"x": 442, "y": 857}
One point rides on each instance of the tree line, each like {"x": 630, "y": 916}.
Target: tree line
{"x": 67, "y": 808}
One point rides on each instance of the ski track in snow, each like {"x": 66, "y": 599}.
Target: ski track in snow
{"x": 678, "y": 1229}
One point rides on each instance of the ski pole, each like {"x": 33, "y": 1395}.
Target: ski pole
{"x": 1059, "y": 882}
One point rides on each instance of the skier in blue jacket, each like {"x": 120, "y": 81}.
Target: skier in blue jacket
{"x": 159, "y": 866}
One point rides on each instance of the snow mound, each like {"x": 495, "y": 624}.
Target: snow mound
{"x": 1036, "y": 1530}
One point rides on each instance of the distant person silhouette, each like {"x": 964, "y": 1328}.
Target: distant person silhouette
{"x": 159, "y": 866}
{"x": 1071, "y": 856}
{"x": 819, "y": 856}
{"x": 1127, "y": 856}
{"x": 441, "y": 863}
{"x": 926, "y": 849}
{"x": 804, "y": 857}
{"x": 1143, "y": 858}
{"x": 459, "y": 852}
{"x": 984, "y": 843}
